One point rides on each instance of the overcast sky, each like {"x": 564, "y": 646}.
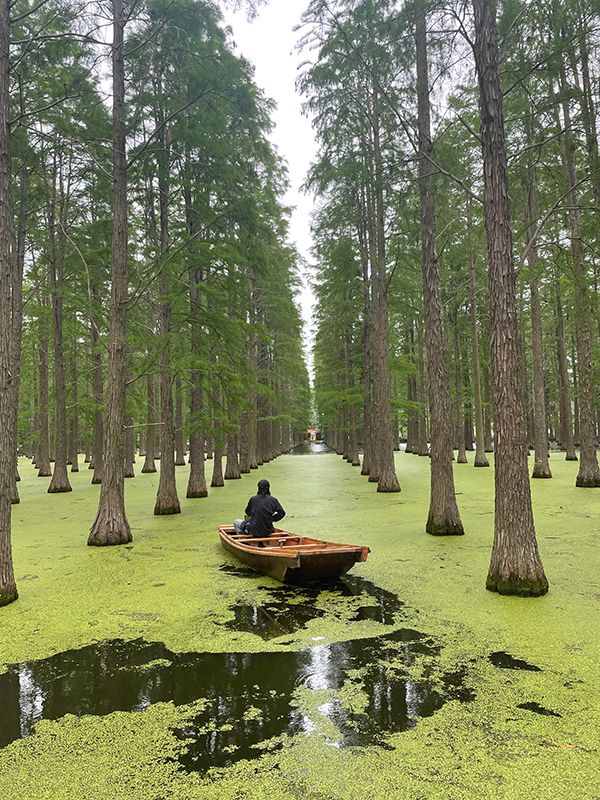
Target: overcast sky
{"x": 269, "y": 43}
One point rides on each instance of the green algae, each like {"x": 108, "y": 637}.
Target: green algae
{"x": 167, "y": 586}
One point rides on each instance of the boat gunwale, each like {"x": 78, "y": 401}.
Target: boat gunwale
{"x": 288, "y": 551}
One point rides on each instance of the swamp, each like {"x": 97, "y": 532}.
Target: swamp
{"x": 166, "y": 669}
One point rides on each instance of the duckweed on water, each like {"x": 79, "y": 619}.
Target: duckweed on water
{"x": 168, "y": 587}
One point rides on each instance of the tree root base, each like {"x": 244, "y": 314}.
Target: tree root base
{"x": 96, "y": 481}
{"x": 445, "y": 528}
{"x": 541, "y": 473}
{"x": 388, "y": 488}
{"x": 517, "y": 586}
{"x": 162, "y": 510}
{"x": 59, "y": 489}
{"x": 571, "y": 458}
{"x": 588, "y": 481}
{"x": 194, "y": 494}
{"x": 8, "y": 597}
{"x": 147, "y": 470}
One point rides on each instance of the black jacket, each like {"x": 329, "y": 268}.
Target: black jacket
{"x": 263, "y": 510}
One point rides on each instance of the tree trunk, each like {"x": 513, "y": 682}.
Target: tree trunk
{"x": 167, "y": 501}
{"x": 515, "y": 566}
{"x": 480, "y": 456}
{"x": 461, "y": 457}
{"x": 422, "y": 447}
{"x": 565, "y": 411}
{"x": 43, "y": 456}
{"x": 383, "y": 447}
{"x": 17, "y": 311}
{"x": 444, "y": 517}
{"x": 111, "y": 526}
{"x": 8, "y": 586}
{"x": 98, "y": 381}
{"x": 232, "y": 466}
{"x": 74, "y": 423}
{"x": 179, "y": 434}
{"x": 152, "y": 418}
{"x": 589, "y": 470}
{"x": 60, "y": 478}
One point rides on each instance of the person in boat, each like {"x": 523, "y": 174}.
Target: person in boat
{"x": 261, "y": 512}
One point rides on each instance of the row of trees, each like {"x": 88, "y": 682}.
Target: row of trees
{"x": 426, "y": 125}
{"x": 150, "y": 287}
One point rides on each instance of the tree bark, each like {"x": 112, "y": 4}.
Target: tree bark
{"x": 480, "y": 456}
{"x": 98, "y": 382}
{"x": 179, "y": 433}
{"x": 8, "y": 586}
{"x": 111, "y": 526}
{"x": 515, "y": 566}
{"x": 444, "y": 517}
{"x": 74, "y": 422}
{"x": 541, "y": 466}
{"x": 43, "y": 454}
{"x": 565, "y": 410}
{"x": 152, "y": 418}
{"x": 167, "y": 501}
{"x": 60, "y": 478}
{"x": 589, "y": 470}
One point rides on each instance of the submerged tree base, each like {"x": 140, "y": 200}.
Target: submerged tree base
{"x": 516, "y": 585}
{"x": 444, "y": 528}
{"x": 9, "y": 596}
{"x": 193, "y": 494}
{"x": 161, "y": 508}
{"x": 109, "y": 530}
{"x": 58, "y": 489}
{"x": 541, "y": 472}
{"x": 588, "y": 481}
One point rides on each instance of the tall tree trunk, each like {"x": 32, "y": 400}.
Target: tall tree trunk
{"x": 565, "y": 411}
{"x": 480, "y": 456}
{"x": 383, "y": 448}
{"x": 74, "y": 426}
{"x": 167, "y": 501}
{"x": 444, "y": 517}
{"x": 152, "y": 419}
{"x": 8, "y": 586}
{"x": 43, "y": 455}
{"x": 60, "y": 478}
{"x": 17, "y": 309}
{"x": 111, "y": 526}
{"x": 515, "y": 567}
{"x": 232, "y": 466}
{"x": 98, "y": 382}
{"x": 179, "y": 433}
{"x": 422, "y": 447}
{"x": 461, "y": 457}
{"x": 589, "y": 470}
{"x": 541, "y": 466}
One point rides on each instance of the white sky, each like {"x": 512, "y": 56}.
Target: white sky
{"x": 269, "y": 43}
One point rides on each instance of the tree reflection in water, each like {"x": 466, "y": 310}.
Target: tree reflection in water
{"x": 248, "y": 696}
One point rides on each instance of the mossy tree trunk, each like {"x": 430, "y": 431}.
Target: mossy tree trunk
{"x": 151, "y": 419}
{"x": 443, "y": 518}
{"x": 8, "y": 586}
{"x": 589, "y": 470}
{"x": 167, "y": 501}
{"x": 98, "y": 385}
{"x": 111, "y": 526}
{"x": 515, "y": 566}
{"x": 564, "y": 388}
{"x": 480, "y": 459}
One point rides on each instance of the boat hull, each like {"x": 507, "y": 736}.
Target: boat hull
{"x": 309, "y": 560}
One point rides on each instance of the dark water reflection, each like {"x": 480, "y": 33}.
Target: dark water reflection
{"x": 290, "y": 608}
{"x": 249, "y": 696}
{"x": 310, "y": 449}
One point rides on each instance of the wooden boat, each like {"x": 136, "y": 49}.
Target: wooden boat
{"x": 291, "y": 558}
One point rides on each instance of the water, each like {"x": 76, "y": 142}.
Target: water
{"x": 289, "y": 608}
{"x": 248, "y": 695}
{"x": 311, "y": 449}
{"x": 506, "y": 661}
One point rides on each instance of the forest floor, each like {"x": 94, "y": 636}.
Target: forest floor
{"x": 410, "y": 682}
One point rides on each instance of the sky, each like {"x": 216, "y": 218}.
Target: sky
{"x": 268, "y": 42}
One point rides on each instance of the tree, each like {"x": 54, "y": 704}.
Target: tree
{"x": 515, "y": 566}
